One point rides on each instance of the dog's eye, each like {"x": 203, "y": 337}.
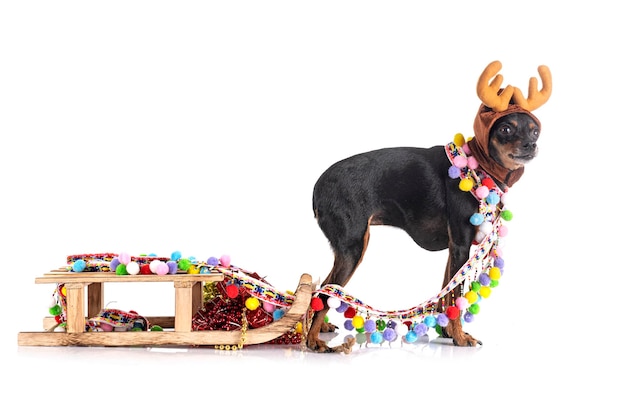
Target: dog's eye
{"x": 505, "y": 130}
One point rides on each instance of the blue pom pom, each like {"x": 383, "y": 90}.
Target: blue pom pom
{"x": 477, "y": 219}
{"x": 176, "y": 255}
{"x": 498, "y": 262}
{"x": 278, "y": 314}
{"x": 454, "y": 172}
{"x": 468, "y": 317}
{"x": 430, "y": 321}
{"x": 442, "y": 320}
{"x": 376, "y": 338}
{"x": 410, "y": 337}
{"x": 484, "y": 279}
{"x": 79, "y": 265}
{"x": 493, "y": 198}
{"x": 213, "y": 261}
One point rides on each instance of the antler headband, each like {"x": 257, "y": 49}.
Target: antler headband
{"x": 491, "y": 96}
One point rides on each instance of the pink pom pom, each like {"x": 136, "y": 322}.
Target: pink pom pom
{"x": 225, "y": 261}
{"x": 462, "y": 303}
{"x": 482, "y": 192}
{"x": 503, "y": 231}
{"x": 472, "y": 162}
{"x": 268, "y": 307}
{"x": 162, "y": 268}
{"x": 459, "y": 161}
{"x": 466, "y": 149}
{"x": 124, "y": 258}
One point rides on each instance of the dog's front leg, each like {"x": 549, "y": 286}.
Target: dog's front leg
{"x": 454, "y": 329}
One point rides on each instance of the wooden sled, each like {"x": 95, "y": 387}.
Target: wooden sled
{"x": 177, "y": 329}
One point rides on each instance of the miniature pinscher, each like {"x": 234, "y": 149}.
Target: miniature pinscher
{"x": 410, "y": 188}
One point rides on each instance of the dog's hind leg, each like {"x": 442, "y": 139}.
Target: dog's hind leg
{"x": 348, "y": 255}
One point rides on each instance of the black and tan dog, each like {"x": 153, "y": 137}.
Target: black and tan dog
{"x": 409, "y": 188}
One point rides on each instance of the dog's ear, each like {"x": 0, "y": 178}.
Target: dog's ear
{"x": 498, "y": 99}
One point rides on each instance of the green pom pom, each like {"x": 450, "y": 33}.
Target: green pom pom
{"x": 476, "y": 286}
{"x": 136, "y": 329}
{"x": 184, "y": 264}
{"x": 494, "y": 283}
{"x": 439, "y": 330}
{"x": 156, "y": 328}
{"x": 360, "y": 330}
{"x": 474, "y": 308}
{"x": 55, "y": 310}
{"x": 507, "y": 215}
{"x": 326, "y": 319}
{"x": 381, "y": 325}
{"x": 121, "y": 269}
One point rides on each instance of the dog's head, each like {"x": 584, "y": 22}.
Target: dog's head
{"x": 513, "y": 140}
{"x": 506, "y": 132}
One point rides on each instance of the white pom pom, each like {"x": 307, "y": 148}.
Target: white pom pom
{"x": 132, "y": 268}
{"x": 333, "y": 302}
{"x": 154, "y": 265}
{"x": 401, "y": 329}
{"x": 486, "y": 227}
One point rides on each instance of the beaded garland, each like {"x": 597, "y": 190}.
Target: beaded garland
{"x": 477, "y": 277}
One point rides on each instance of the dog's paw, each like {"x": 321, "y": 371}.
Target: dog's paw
{"x": 319, "y": 346}
{"x": 466, "y": 340}
{"x": 328, "y": 327}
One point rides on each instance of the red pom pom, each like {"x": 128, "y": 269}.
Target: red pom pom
{"x": 232, "y": 290}
{"x": 145, "y": 269}
{"x": 489, "y": 183}
{"x": 350, "y": 312}
{"x": 453, "y": 312}
{"x": 57, "y": 319}
{"x": 317, "y": 304}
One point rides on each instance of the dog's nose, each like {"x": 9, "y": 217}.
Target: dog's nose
{"x": 530, "y": 146}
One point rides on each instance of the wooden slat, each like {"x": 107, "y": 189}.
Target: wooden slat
{"x": 101, "y": 277}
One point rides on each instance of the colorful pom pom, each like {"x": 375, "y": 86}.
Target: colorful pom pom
{"x": 132, "y": 268}
{"x": 176, "y": 255}
{"x": 454, "y": 172}
{"x": 278, "y": 314}
{"x": 389, "y": 334}
{"x": 213, "y": 261}
{"x": 172, "y": 267}
{"x": 507, "y": 215}
{"x": 348, "y": 325}
{"x": 493, "y": 198}
{"x": 472, "y": 163}
{"x": 369, "y": 326}
{"x": 225, "y": 261}
{"x": 420, "y": 329}
{"x": 79, "y": 265}
{"x": 162, "y": 268}
{"x": 183, "y": 264}
{"x": 121, "y": 270}
{"x": 466, "y": 184}
{"x": 482, "y": 192}
{"x": 358, "y": 321}
{"x": 459, "y": 161}
{"x": 488, "y": 182}
{"x": 232, "y": 290}
{"x": 376, "y": 337}
{"x": 453, "y": 312}
{"x": 477, "y": 219}
{"x": 459, "y": 140}
{"x": 461, "y": 302}
{"x": 350, "y": 312}
{"x": 410, "y": 337}
{"x": 317, "y": 304}
{"x": 494, "y": 273}
{"x": 252, "y": 303}
{"x": 471, "y": 296}
{"x": 124, "y": 258}
{"x": 485, "y": 291}
{"x": 333, "y": 302}
{"x": 442, "y": 320}
{"x": 430, "y": 321}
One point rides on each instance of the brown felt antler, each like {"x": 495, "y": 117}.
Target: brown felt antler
{"x": 491, "y": 96}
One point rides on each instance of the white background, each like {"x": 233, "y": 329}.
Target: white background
{"x": 150, "y": 127}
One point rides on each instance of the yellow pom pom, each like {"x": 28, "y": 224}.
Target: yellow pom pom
{"x": 63, "y": 291}
{"x": 459, "y": 139}
{"x": 299, "y": 327}
{"x": 494, "y": 273}
{"x": 466, "y": 184}
{"x": 252, "y": 303}
{"x": 471, "y": 296}
{"x": 358, "y": 322}
{"x": 193, "y": 269}
{"x": 484, "y": 291}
